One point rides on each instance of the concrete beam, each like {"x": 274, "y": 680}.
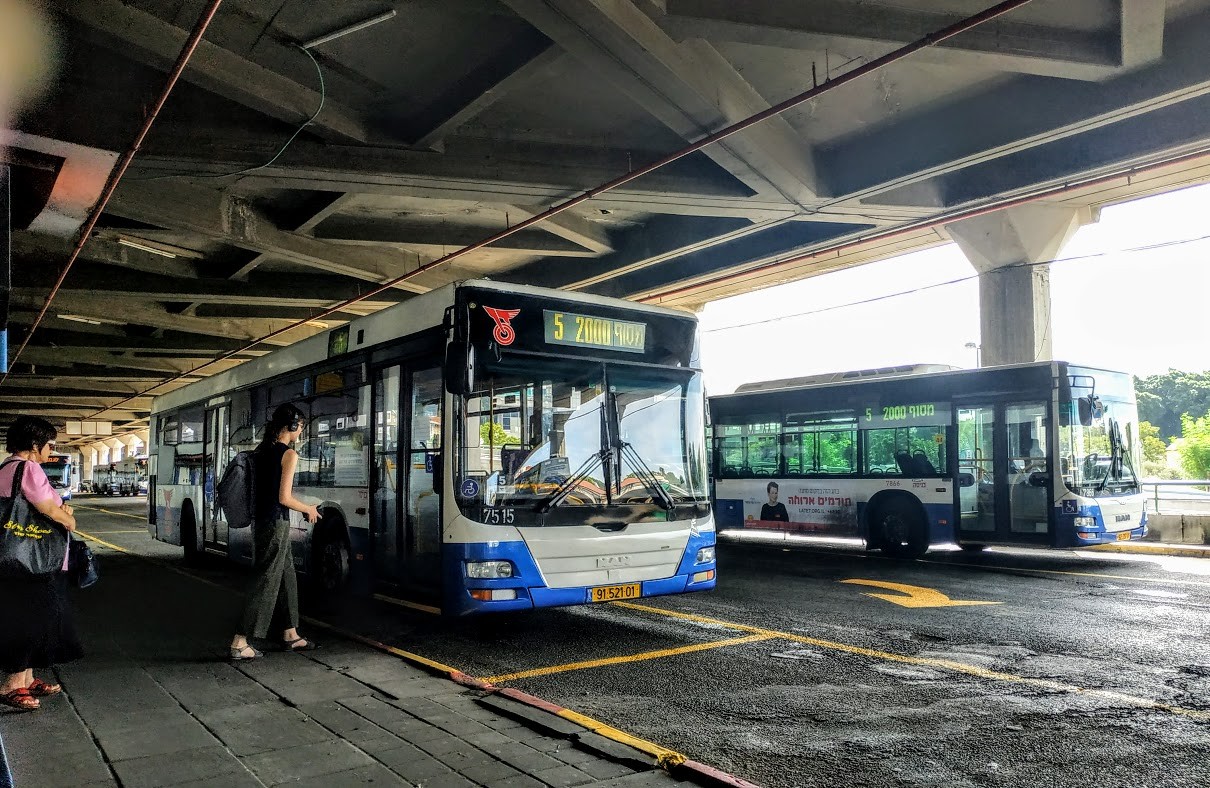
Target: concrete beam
{"x": 234, "y": 221}
{"x": 969, "y": 131}
{"x": 481, "y": 91}
{"x": 689, "y": 87}
{"x": 821, "y": 25}
{"x": 435, "y": 240}
{"x": 1012, "y": 250}
{"x": 154, "y": 42}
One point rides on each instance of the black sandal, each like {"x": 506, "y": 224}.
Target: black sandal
{"x": 237, "y": 654}
{"x": 288, "y": 645}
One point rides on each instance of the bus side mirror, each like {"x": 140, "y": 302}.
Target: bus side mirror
{"x": 459, "y": 368}
{"x": 1039, "y": 479}
{"x": 966, "y": 480}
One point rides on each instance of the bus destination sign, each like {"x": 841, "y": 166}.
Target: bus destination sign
{"x": 905, "y": 414}
{"x": 569, "y": 328}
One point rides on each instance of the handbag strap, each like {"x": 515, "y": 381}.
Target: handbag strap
{"x": 17, "y": 474}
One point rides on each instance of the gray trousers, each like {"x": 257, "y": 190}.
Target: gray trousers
{"x": 274, "y": 590}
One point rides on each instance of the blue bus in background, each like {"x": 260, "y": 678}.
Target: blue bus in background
{"x": 1043, "y": 454}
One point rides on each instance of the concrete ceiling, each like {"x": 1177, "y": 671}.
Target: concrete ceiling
{"x": 455, "y": 119}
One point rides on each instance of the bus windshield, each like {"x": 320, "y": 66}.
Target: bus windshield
{"x": 1101, "y": 458}
{"x": 540, "y": 434}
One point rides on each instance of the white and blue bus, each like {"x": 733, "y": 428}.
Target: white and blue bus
{"x": 1042, "y": 454}
{"x": 59, "y": 470}
{"x": 481, "y": 447}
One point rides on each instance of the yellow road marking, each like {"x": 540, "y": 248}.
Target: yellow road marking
{"x": 917, "y": 596}
{"x": 1160, "y": 580}
{"x": 408, "y": 605}
{"x": 945, "y": 664}
{"x": 142, "y": 517}
{"x": 598, "y": 663}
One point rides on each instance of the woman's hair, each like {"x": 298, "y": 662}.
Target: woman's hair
{"x": 285, "y": 417}
{"x": 29, "y": 432}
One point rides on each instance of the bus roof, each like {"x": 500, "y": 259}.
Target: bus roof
{"x": 422, "y": 312}
{"x": 914, "y": 371}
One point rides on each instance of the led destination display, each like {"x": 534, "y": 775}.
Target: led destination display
{"x": 569, "y": 328}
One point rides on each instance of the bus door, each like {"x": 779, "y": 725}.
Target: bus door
{"x": 1003, "y": 493}
{"x": 215, "y": 457}
{"x": 406, "y": 526}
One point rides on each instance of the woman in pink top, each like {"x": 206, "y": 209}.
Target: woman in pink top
{"x": 38, "y": 630}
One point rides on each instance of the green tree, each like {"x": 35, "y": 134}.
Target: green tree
{"x": 1195, "y": 448}
{"x": 491, "y": 433}
{"x": 1163, "y": 399}
{"x": 1154, "y": 448}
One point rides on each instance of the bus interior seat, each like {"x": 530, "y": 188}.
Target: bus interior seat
{"x": 904, "y": 461}
{"x": 923, "y": 466}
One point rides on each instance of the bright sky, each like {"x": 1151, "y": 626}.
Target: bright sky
{"x": 1116, "y": 305}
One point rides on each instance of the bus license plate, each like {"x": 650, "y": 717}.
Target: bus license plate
{"x": 1123, "y": 536}
{"x": 614, "y": 593}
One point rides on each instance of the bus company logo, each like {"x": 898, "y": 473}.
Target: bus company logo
{"x": 503, "y": 333}
{"x": 1122, "y": 518}
{"x": 613, "y": 561}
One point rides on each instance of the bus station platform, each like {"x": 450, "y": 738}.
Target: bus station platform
{"x": 156, "y": 703}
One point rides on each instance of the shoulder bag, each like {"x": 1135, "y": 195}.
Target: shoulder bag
{"x": 31, "y": 544}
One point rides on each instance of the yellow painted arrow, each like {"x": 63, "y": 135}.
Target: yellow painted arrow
{"x": 916, "y": 595}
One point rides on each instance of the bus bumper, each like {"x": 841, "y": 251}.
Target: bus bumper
{"x": 466, "y": 596}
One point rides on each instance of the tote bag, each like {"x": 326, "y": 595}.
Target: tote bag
{"x": 31, "y": 544}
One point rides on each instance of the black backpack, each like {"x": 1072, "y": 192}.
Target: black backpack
{"x": 237, "y": 490}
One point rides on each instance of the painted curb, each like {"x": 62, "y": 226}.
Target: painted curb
{"x": 1143, "y": 548}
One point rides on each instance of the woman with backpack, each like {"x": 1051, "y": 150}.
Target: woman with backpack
{"x": 274, "y": 591}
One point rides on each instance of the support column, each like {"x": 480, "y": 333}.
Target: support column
{"x": 1011, "y": 250}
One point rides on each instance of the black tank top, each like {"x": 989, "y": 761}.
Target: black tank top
{"x": 268, "y": 483}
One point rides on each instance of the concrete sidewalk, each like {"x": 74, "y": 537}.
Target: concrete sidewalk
{"x": 155, "y": 704}
{"x": 1154, "y": 548}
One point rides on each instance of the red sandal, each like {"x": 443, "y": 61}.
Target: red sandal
{"x": 21, "y": 700}
{"x": 40, "y": 689}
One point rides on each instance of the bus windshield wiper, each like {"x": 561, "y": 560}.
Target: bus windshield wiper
{"x": 567, "y": 485}
{"x": 646, "y": 476}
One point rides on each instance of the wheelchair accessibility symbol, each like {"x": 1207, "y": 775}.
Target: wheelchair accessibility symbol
{"x": 470, "y": 488}
{"x": 1071, "y": 507}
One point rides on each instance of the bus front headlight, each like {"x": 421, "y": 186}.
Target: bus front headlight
{"x": 489, "y": 570}
{"x": 1086, "y": 522}
{"x": 705, "y": 555}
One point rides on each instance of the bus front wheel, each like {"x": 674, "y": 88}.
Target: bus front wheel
{"x": 329, "y": 563}
{"x": 902, "y": 530}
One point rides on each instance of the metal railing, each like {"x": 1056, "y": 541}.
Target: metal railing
{"x": 1178, "y": 496}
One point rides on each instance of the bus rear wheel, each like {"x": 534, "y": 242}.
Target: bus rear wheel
{"x": 902, "y": 530}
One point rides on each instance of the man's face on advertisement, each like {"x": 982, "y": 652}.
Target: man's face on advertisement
{"x": 772, "y": 495}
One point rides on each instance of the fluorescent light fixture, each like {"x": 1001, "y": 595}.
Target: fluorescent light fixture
{"x": 144, "y": 247}
{"x": 344, "y": 31}
{"x": 92, "y": 321}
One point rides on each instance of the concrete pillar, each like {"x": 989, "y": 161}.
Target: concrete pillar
{"x": 1011, "y": 250}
